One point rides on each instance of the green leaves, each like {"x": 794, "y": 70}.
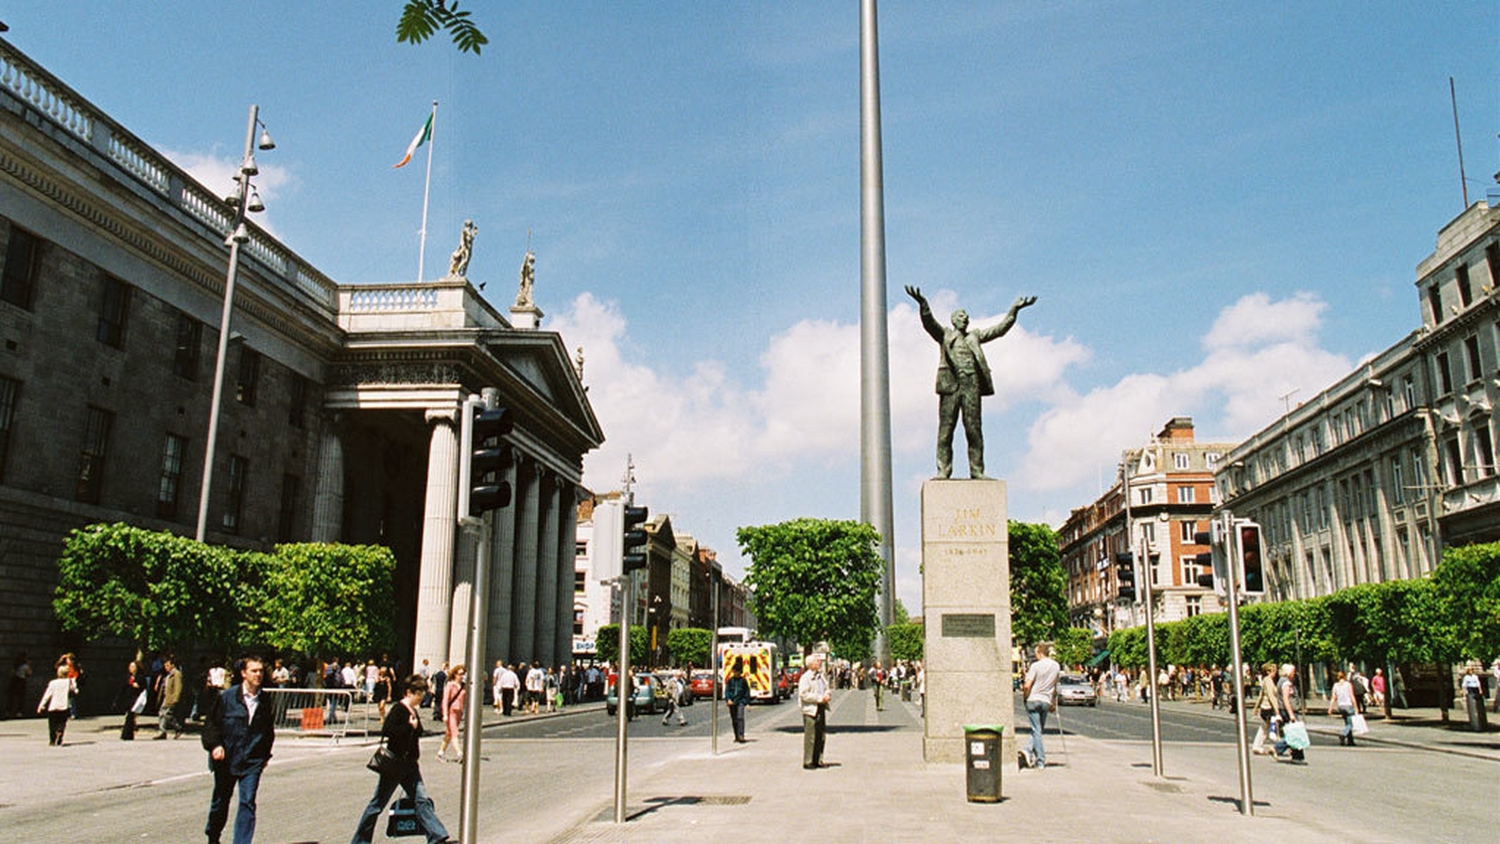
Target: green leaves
{"x": 607, "y": 643}
{"x": 1038, "y": 584}
{"x": 421, "y": 19}
{"x": 905, "y": 640}
{"x": 159, "y": 591}
{"x": 814, "y": 580}
{"x": 690, "y": 644}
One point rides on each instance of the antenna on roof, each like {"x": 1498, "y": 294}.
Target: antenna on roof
{"x": 1462, "y": 181}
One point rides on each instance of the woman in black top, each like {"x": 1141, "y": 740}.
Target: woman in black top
{"x": 401, "y": 730}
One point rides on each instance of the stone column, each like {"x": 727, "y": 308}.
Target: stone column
{"x": 523, "y": 599}
{"x": 966, "y": 615}
{"x": 467, "y": 546}
{"x": 502, "y": 574}
{"x": 328, "y": 495}
{"x": 547, "y": 562}
{"x": 567, "y": 562}
{"x": 435, "y": 586}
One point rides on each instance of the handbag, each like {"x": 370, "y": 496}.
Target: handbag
{"x": 1295, "y": 735}
{"x": 386, "y": 763}
{"x": 1357, "y": 724}
{"x": 140, "y": 703}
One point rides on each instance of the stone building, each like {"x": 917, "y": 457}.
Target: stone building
{"x": 1371, "y": 478}
{"x": 1163, "y": 496}
{"x": 340, "y": 419}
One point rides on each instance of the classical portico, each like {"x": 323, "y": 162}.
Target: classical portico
{"x": 411, "y": 356}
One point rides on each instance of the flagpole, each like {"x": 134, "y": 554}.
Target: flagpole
{"x": 426, "y": 190}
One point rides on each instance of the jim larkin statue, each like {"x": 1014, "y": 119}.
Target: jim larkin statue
{"x": 963, "y": 377}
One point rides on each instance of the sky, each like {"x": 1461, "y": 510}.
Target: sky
{"x": 1220, "y": 207}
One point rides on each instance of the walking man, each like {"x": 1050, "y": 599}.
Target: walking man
{"x": 237, "y": 733}
{"x": 171, "y": 699}
{"x": 813, "y": 694}
{"x": 1040, "y": 691}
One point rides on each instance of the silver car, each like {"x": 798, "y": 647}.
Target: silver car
{"x": 1075, "y": 689}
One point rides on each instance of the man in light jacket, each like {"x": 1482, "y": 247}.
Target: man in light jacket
{"x": 813, "y": 694}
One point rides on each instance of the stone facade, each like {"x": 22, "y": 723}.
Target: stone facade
{"x": 339, "y": 421}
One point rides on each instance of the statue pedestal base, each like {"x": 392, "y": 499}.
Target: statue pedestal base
{"x": 526, "y": 316}
{"x": 966, "y": 615}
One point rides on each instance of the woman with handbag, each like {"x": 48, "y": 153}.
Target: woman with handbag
{"x": 396, "y": 763}
{"x": 133, "y": 692}
{"x": 1293, "y": 731}
{"x": 1343, "y": 701}
{"x": 1265, "y": 707}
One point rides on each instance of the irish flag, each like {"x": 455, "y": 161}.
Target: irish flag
{"x": 423, "y": 136}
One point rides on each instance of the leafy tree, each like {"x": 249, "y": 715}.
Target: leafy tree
{"x": 1073, "y": 646}
{"x": 689, "y": 644}
{"x": 607, "y": 643}
{"x": 321, "y": 599}
{"x": 421, "y": 19}
{"x": 905, "y": 641}
{"x": 1038, "y": 584}
{"x": 899, "y": 615}
{"x": 1466, "y": 587}
{"x": 815, "y": 579}
{"x": 156, "y": 590}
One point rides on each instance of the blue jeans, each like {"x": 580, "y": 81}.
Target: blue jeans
{"x": 1036, "y": 713}
{"x": 1348, "y": 713}
{"x": 218, "y": 805}
{"x": 411, "y": 783}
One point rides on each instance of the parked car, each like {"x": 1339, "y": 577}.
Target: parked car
{"x": 1075, "y": 688}
{"x": 644, "y": 691}
{"x": 703, "y": 683}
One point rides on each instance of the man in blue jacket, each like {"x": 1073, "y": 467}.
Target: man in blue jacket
{"x": 237, "y": 734}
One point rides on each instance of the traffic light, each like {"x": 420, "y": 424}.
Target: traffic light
{"x": 1206, "y": 570}
{"x": 1125, "y": 575}
{"x": 633, "y": 538}
{"x": 1251, "y": 566}
{"x": 489, "y": 458}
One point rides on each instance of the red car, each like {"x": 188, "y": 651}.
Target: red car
{"x": 702, "y": 684}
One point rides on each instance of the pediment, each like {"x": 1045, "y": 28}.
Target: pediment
{"x": 539, "y": 363}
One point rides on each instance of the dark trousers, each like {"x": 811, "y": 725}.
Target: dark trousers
{"x": 411, "y": 783}
{"x": 127, "y": 730}
{"x": 218, "y": 804}
{"x": 814, "y": 733}
{"x": 57, "y": 721}
{"x": 964, "y": 401}
{"x": 737, "y": 720}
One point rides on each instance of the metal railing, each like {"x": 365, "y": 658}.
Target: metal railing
{"x": 323, "y": 713}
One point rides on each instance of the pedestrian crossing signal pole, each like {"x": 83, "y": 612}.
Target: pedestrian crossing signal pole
{"x": 1234, "y": 546}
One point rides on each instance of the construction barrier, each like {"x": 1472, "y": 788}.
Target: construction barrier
{"x": 323, "y": 713}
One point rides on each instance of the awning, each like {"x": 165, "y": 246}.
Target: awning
{"x": 1099, "y": 659}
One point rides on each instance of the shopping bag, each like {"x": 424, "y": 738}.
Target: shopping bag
{"x": 402, "y": 820}
{"x": 140, "y": 703}
{"x": 1295, "y": 735}
{"x": 1358, "y": 725}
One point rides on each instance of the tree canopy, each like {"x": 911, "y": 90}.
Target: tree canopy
{"x": 607, "y": 644}
{"x": 690, "y": 645}
{"x": 814, "y": 580}
{"x": 1038, "y": 584}
{"x": 316, "y": 598}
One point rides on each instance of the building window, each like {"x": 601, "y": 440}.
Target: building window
{"x": 1389, "y": 397}
{"x": 1409, "y": 392}
{"x": 185, "y": 356}
{"x": 1184, "y": 495}
{"x": 171, "y": 476}
{"x": 1146, "y": 495}
{"x": 297, "y": 407}
{"x": 239, "y": 468}
{"x": 1435, "y": 302}
{"x": 1322, "y": 508}
{"x": 244, "y": 391}
{"x": 1461, "y": 275}
{"x": 577, "y": 621}
{"x": 1212, "y": 459}
{"x": 581, "y": 548}
{"x": 1485, "y": 448}
{"x": 113, "y": 311}
{"x": 1181, "y": 460}
{"x": 1398, "y": 490}
{"x": 18, "y": 280}
{"x": 1471, "y": 351}
{"x": 91, "y": 458}
{"x": 1188, "y": 529}
{"x": 1492, "y": 257}
{"x": 291, "y": 501}
{"x": 1148, "y": 532}
{"x": 1194, "y": 605}
{"x": 1453, "y": 457}
{"x": 10, "y": 392}
{"x": 1445, "y": 375}
{"x": 580, "y": 582}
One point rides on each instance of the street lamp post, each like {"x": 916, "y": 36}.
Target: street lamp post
{"x": 244, "y": 200}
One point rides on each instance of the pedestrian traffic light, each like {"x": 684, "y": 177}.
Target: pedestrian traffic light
{"x": 489, "y": 458}
{"x": 1251, "y": 564}
{"x": 633, "y": 539}
{"x": 1206, "y": 577}
{"x": 1125, "y": 575}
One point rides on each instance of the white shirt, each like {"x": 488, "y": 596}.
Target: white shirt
{"x": 251, "y": 701}
{"x": 1041, "y": 678}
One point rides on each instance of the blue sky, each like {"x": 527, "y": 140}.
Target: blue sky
{"x": 1217, "y": 204}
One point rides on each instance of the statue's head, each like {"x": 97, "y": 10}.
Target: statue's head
{"x": 961, "y": 319}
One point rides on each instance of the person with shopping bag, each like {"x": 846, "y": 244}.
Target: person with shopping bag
{"x": 1294, "y": 738}
{"x": 396, "y": 763}
{"x": 1344, "y": 702}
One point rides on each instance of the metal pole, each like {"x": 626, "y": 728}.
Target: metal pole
{"x": 874, "y": 359}
{"x": 1247, "y": 802}
{"x": 234, "y": 265}
{"x": 479, "y": 588}
{"x": 1145, "y": 567}
{"x": 713, "y": 662}
{"x": 622, "y": 694}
